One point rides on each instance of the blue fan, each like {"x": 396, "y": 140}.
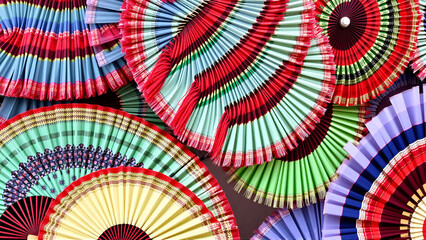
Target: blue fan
{"x": 302, "y": 223}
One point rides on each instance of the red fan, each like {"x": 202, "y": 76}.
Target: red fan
{"x": 373, "y": 42}
{"x": 23, "y": 218}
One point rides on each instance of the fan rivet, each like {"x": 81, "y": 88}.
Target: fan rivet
{"x": 344, "y": 22}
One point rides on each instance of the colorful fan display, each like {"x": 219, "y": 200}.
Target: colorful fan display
{"x": 380, "y": 191}
{"x": 46, "y": 149}
{"x": 46, "y": 55}
{"x": 23, "y": 218}
{"x": 405, "y": 81}
{"x": 243, "y": 75}
{"x": 419, "y": 61}
{"x": 127, "y": 98}
{"x": 373, "y": 42}
{"x": 302, "y": 223}
{"x": 153, "y": 203}
{"x": 303, "y": 176}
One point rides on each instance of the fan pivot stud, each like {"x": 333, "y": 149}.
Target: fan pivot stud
{"x": 344, "y": 22}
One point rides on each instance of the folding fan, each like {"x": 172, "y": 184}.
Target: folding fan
{"x": 127, "y": 98}
{"x": 24, "y": 217}
{"x": 102, "y": 16}
{"x": 46, "y": 54}
{"x": 405, "y": 81}
{"x": 372, "y": 41}
{"x": 302, "y": 177}
{"x": 46, "y": 149}
{"x": 419, "y": 61}
{"x": 156, "y": 205}
{"x": 243, "y": 75}
{"x": 302, "y": 223}
{"x": 380, "y": 191}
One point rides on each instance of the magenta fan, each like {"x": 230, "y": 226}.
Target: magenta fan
{"x": 236, "y": 80}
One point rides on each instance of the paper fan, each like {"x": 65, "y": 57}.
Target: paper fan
{"x": 302, "y": 223}
{"x": 149, "y": 26}
{"x": 127, "y": 98}
{"x": 102, "y": 17}
{"x": 153, "y": 203}
{"x": 23, "y": 218}
{"x": 46, "y": 54}
{"x": 380, "y": 191}
{"x": 419, "y": 60}
{"x": 405, "y": 81}
{"x": 42, "y": 147}
{"x": 372, "y": 41}
{"x": 302, "y": 177}
{"x": 243, "y": 74}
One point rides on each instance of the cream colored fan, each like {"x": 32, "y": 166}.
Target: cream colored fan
{"x": 151, "y": 202}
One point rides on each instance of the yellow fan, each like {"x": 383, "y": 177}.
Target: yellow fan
{"x": 153, "y": 204}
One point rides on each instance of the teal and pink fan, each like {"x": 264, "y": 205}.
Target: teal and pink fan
{"x": 372, "y": 41}
{"x": 232, "y": 78}
{"x": 380, "y": 192}
{"x": 302, "y": 176}
{"x": 45, "y": 53}
{"x": 45, "y": 150}
{"x": 127, "y": 99}
{"x": 302, "y": 223}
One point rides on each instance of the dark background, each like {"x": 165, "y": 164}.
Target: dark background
{"x": 249, "y": 214}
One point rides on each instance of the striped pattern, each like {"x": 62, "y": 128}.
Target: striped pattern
{"x": 127, "y": 98}
{"x": 102, "y": 16}
{"x": 302, "y": 177}
{"x": 405, "y": 81}
{"x": 149, "y": 26}
{"x": 419, "y": 60}
{"x": 123, "y": 190}
{"x": 238, "y": 71}
{"x": 46, "y": 55}
{"x": 380, "y": 189}
{"x": 374, "y": 49}
{"x": 302, "y": 223}
{"x": 45, "y": 128}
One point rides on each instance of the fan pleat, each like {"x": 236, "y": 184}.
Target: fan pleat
{"x": 89, "y": 138}
{"x": 419, "y": 59}
{"x": 379, "y": 192}
{"x": 303, "y": 176}
{"x": 169, "y": 210}
{"x": 47, "y": 53}
{"x": 374, "y": 49}
{"x": 303, "y": 223}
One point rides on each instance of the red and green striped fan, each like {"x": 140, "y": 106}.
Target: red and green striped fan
{"x": 302, "y": 177}
{"x": 419, "y": 60}
{"x": 46, "y": 149}
{"x": 233, "y": 68}
{"x": 46, "y": 54}
{"x": 155, "y": 205}
{"x": 373, "y": 42}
